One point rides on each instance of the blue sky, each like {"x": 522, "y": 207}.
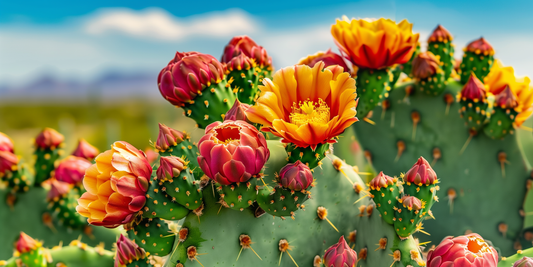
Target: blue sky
{"x": 80, "y": 40}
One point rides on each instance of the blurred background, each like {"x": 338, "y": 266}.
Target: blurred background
{"x": 89, "y": 68}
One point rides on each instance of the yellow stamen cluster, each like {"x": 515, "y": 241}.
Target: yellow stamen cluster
{"x": 310, "y": 111}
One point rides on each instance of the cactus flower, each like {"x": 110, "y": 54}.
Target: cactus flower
{"x": 306, "y": 106}
{"x": 49, "y": 138}
{"x": 421, "y": 173}
{"x": 465, "y": 251}
{"x": 296, "y": 176}
{"x": 8, "y": 162}
{"x": 187, "y": 75}
{"x": 381, "y": 181}
{"x": 169, "y": 167}
{"x": 26, "y": 243}
{"x": 524, "y": 262}
{"x": 168, "y": 137}
{"x": 57, "y": 190}
{"x": 340, "y": 255}
{"x": 500, "y": 77}
{"x": 425, "y": 65}
{"x": 127, "y": 252}
{"x": 116, "y": 185}
{"x": 245, "y": 45}
{"x": 85, "y": 150}
{"x": 232, "y": 151}
{"x": 329, "y": 58}
{"x": 6, "y": 144}
{"x": 72, "y": 169}
{"x": 237, "y": 112}
{"x": 375, "y": 44}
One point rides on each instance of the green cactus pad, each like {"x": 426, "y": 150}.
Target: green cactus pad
{"x": 19, "y": 180}
{"x": 433, "y": 85}
{"x": 160, "y": 204}
{"x": 45, "y": 162}
{"x": 408, "y": 252}
{"x": 140, "y": 263}
{"x": 373, "y": 86}
{"x": 307, "y": 155}
{"x": 64, "y": 211}
{"x": 185, "y": 190}
{"x": 78, "y": 254}
{"x": 153, "y": 235}
{"x": 474, "y": 113}
{"x": 215, "y": 234}
{"x": 245, "y": 82}
{"x": 211, "y": 105}
{"x": 238, "y": 196}
{"x": 509, "y": 261}
{"x": 34, "y": 258}
{"x": 189, "y": 152}
{"x": 500, "y": 123}
{"x": 386, "y": 199}
{"x": 445, "y": 50}
{"x": 405, "y": 220}
{"x": 279, "y": 201}
{"x": 479, "y": 64}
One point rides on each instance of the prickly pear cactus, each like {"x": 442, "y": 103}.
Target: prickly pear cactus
{"x": 470, "y": 141}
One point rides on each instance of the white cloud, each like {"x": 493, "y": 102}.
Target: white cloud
{"x": 155, "y": 23}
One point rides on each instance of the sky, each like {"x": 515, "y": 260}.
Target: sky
{"x": 81, "y": 40}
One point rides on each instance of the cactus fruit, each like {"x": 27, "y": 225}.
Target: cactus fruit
{"x": 196, "y": 82}
{"x": 440, "y": 44}
{"x": 474, "y": 104}
{"x": 478, "y": 59}
{"x": 340, "y": 255}
{"x": 468, "y": 250}
{"x": 385, "y": 192}
{"x": 85, "y": 150}
{"x": 130, "y": 254}
{"x": 428, "y": 74}
{"x": 47, "y": 150}
{"x": 295, "y": 176}
{"x": 171, "y": 142}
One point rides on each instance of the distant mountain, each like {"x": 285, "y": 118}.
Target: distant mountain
{"x": 107, "y": 87}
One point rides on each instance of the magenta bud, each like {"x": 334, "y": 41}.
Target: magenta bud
{"x": 245, "y": 45}
{"x": 72, "y": 169}
{"x": 421, "y": 173}
{"x": 329, "y": 58}
{"x": 473, "y": 89}
{"x": 381, "y": 180}
{"x": 49, "y": 138}
{"x": 85, "y": 150}
{"x": 240, "y": 62}
{"x": 465, "y": 251}
{"x": 8, "y": 161}
{"x": 170, "y": 167}
{"x": 57, "y": 190}
{"x": 127, "y": 252}
{"x": 237, "y": 112}
{"x": 340, "y": 255}
{"x": 524, "y": 262}
{"x": 168, "y": 137}
{"x": 26, "y": 243}
{"x": 296, "y": 176}
{"x": 412, "y": 203}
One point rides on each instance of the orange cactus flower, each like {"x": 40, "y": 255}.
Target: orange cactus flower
{"x": 306, "y": 106}
{"x": 375, "y": 44}
{"x": 116, "y": 185}
{"x": 500, "y": 77}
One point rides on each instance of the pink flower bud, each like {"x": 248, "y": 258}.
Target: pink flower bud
{"x": 481, "y": 46}
{"x": 465, "y": 251}
{"x": 170, "y": 167}
{"x": 85, "y": 150}
{"x": 26, "y": 243}
{"x": 473, "y": 89}
{"x": 247, "y": 46}
{"x": 8, "y": 161}
{"x": 524, "y": 262}
{"x": 425, "y": 65}
{"x": 237, "y": 112}
{"x": 49, "y": 138}
{"x": 240, "y": 62}
{"x": 57, "y": 189}
{"x": 381, "y": 180}
{"x": 421, "y": 173}
{"x": 6, "y": 144}
{"x": 329, "y": 58}
{"x": 506, "y": 98}
{"x": 340, "y": 255}
{"x": 168, "y": 137}
{"x": 72, "y": 169}
{"x": 232, "y": 152}
{"x": 296, "y": 176}
{"x": 187, "y": 75}
{"x": 411, "y": 203}
{"x": 127, "y": 252}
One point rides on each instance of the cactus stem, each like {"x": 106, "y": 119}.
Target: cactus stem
{"x": 47, "y": 220}
{"x": 369, "y": 121}
{"x": 466, "y": 143}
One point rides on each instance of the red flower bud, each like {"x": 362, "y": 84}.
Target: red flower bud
{"x": 85, "y": 150}
{"x": 168, "y": 137}
{"x": 340, "y": 255}
{"x": 6, "y": 144}
{"x": 49, "y": 138}
{"x": 72, "y": 169}
{"x": 246, "y": 46}
{"x": 169, "y": 167}
{"x": 237, "y": 112}
{"x": 421, "y": 173}
{"x": 296, "y": 176}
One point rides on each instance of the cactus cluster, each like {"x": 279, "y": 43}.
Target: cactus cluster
{"x": 275, "y": 179}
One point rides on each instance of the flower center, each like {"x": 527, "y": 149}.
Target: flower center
{"x": 226, "y": 135}
{"x": 478, "y": 246}
{"x": 309, "y": 111}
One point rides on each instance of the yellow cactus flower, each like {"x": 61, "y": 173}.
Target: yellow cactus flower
{"x": 375, "y": 44}
{"x": 306, "y": 106}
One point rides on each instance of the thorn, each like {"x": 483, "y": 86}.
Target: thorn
{"x": 401, "y": 147}
{"x": 291, "y": 259}
{"x": 449, "y": 99}
{"x": 199, "y": 261}
{"x": 361, "y": 198}
{"x": 415, "y": 116}
{"x": 472, "y": 133}
{"x": 270, "y": 190}
{"x": 502, "y": 158}
{"x": 239, "y": 254}
{"x": 436, "y": 155}
{"x": 369, "y": 121}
